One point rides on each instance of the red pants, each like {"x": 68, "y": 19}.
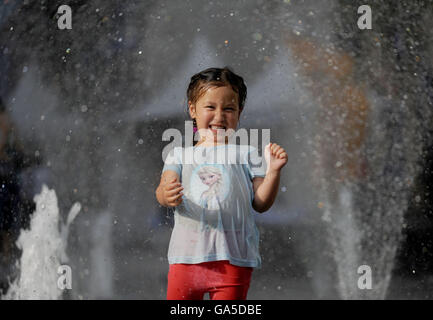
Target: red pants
{"x": 221, "y": 279}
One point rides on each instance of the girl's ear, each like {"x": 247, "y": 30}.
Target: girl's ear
{"x": 192, "y": 111}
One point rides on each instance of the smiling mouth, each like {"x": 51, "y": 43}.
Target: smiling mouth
{"x": 217, "y": 127}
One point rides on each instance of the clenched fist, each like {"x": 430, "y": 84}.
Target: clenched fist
{"x": 275, "y": 156}
{"x": 172, "y": 194}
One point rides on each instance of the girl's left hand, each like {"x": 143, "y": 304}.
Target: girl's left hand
{"x": 275, "y": 156}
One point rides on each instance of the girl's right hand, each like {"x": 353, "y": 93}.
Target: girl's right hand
{"x": 172, "y": 193}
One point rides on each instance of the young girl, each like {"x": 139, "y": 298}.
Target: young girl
{"x": 215, "y": 249}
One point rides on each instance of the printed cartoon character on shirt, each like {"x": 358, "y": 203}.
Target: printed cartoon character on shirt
{"x": 211, "y": 177}
{"x": 209, "y": 186}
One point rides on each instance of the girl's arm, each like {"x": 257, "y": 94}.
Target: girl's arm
{"x": 169, "y": 190}
{"x": 266, "y": 189}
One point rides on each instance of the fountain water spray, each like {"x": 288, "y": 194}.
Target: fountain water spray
{"x": 43, "y": 250}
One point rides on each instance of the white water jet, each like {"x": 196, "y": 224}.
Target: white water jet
{"x": 43, "y": 250}
{"x": 345, "y": 239}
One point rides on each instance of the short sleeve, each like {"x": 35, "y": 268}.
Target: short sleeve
{"x": 255, "y": 164}
{"x": 173, "y": 161}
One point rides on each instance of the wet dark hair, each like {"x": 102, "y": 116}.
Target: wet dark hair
{"x": 216, "y": 77}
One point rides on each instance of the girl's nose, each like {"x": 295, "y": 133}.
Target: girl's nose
{"x": 219, "y": 115}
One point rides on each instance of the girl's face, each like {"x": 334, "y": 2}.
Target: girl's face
{"x": 209, "y": 178}
{"x": 217, "y": 108}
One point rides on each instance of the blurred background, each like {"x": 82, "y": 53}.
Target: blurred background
{"x": 83, "y": 111}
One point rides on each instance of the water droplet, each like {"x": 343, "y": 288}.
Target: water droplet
{"x": 84, "y": 108}
{"x": 257, "y": 36}
{"x": 25, "y": 69}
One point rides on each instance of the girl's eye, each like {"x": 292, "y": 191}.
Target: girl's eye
{"x": 210, "y": 107}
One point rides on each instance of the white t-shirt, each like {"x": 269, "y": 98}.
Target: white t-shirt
{"x": 215, "y": 220}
